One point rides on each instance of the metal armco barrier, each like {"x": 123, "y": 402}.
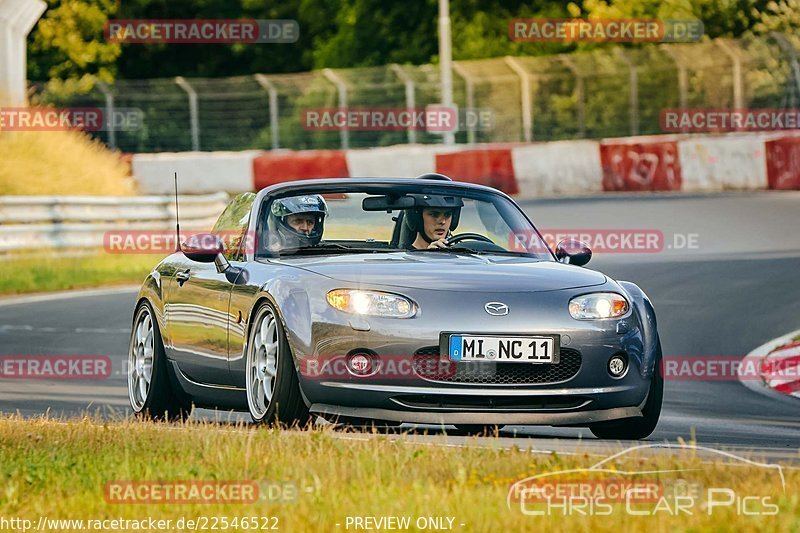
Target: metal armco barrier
{"x": 79, "y": 222}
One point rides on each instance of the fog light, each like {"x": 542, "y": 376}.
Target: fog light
{"x": 617, "y": 366}
{"x": 361, "y": 364}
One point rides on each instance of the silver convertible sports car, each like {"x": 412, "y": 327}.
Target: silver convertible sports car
{"x": 393, "y": 301}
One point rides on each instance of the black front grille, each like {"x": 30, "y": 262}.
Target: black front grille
{"x": 429, "y": 366}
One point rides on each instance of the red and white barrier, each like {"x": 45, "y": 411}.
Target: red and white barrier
{"x": 704, "y": 163}
{"x": 721, "y": 163}
{"x": 783, "y": 163}
{"x": 275, "y": 167}
{"x": 198, "y": 172}
{"x": 560, "y": 167}
{"x": 641, "y": 164}
{"x": 490, "y": 166}
{"x": 399, "y": 161}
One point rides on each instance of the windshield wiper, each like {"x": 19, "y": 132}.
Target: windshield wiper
{"x": 333, "y": 247}
{"x": 328, "y": 245}
{"x": 466, "y": 249}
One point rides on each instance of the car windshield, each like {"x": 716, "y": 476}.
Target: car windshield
{"x": 472, "y": 222}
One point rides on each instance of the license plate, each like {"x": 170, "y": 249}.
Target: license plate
{"x": 503, "y": 349}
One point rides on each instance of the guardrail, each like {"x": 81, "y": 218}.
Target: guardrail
{"x": 80, "y": 222}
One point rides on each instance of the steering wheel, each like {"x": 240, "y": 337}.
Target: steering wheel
{"x": 467, "y": 236}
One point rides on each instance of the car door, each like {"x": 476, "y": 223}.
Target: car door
{"x": 197, "y": 312}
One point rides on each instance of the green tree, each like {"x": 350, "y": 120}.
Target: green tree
{"x": 214, "y": 60}
{"x": 67, "y": 48}
{"x": 376, "y": 32}
{"x": 783, "y": 16}
{"x": 480, "y": 27}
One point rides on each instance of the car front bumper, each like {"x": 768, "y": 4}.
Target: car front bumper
{"x": 512, "y": 395}
{"x": 588, "y": 395}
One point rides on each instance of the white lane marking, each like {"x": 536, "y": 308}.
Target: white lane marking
{"x": 64, "y": 295}
{"x": 754, "y": 358}
{"x": 696, "y": 420}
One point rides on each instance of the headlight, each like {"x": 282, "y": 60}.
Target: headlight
{"x": 372, "y": 303}
{"x": 598, "y": 305}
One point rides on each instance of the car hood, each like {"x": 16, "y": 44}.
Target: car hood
{"x": 446, "y": 271}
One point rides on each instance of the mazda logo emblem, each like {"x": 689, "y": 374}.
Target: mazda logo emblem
{"x": 496, "y": 308}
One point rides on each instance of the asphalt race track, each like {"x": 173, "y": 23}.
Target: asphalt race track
{"x": 736, "y": 288}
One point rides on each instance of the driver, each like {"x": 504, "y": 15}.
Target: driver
{"x": 296, "y": 222}
{"x": 432, "y": 220}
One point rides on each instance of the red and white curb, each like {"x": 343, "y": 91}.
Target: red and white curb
{"x": 784, "y": 353}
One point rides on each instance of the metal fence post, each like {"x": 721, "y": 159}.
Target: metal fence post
{"x": 193, "y": 112}
{"x": 410, "y": 97}
{"x": 526, "y": 101}
{"x": 794, "y": 64}
{"x": 273, "y": 107}
{"x": 341, "y": 87}
{"x": 445, "y": 63}
{"x": 633, "y": 81}
{"x": 738, "y": 94}
{"x": 109, "y": 97}
{"x": 580, "y": 89}
{"x": 683, "y": 76}
{"x": 470, "y": 87}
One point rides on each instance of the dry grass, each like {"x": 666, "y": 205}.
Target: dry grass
{"x": 60, "y": 163}
{"x": 60, "y": 470}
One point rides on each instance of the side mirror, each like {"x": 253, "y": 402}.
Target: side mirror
{"x": 573, "y": 252}
{"x": 206, "y": 248}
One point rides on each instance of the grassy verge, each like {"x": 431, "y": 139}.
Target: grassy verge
{"x": 47, "y": 272}
{"x": 58, "y": 163}
{"x": 62, "y": 471}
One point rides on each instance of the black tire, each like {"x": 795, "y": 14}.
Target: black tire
{"x": 487, "y": 430}
{"x": 286, "y": 406}
{"x": 159, "y": 401}
{"x": 639, "y": 427}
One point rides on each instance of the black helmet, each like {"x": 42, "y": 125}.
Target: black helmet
{"x": 282, "y": 234}
{"x": 413, "y": 217}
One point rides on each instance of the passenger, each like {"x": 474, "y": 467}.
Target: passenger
{"x": 296, "y": 222}
{"x": 302, "y": 222}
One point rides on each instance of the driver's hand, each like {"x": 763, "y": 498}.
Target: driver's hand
{"x": 437, "y": 244}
